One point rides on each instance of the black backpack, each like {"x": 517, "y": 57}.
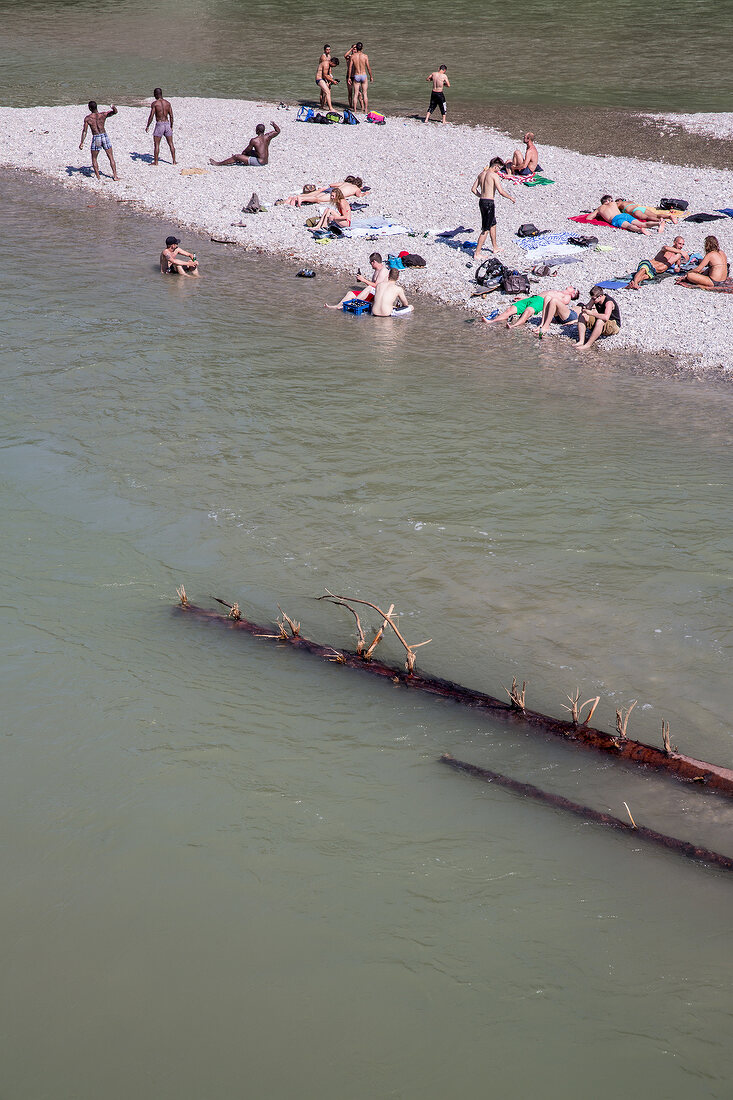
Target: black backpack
{"x": 673, "y": 204}
{"x": 583, "y": 242}
{"x": 515, "y": 283}
{"x": 528, "y": 230}
{"x": 490, "y": 271}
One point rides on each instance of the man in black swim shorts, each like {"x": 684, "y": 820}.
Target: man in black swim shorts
{"x": 486, "y": 187}
{"x": 439, "y": 81}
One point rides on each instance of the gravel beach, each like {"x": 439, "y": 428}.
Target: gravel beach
{"x": 421, "y": 177}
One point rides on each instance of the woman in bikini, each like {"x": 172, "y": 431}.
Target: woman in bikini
{"x": 647, "y": 214}
{"x": 341, "y": 216}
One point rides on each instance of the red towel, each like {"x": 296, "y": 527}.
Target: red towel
{"x": 584, "y": 219}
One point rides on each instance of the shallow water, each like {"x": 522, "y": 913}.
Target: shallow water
{"x": 228, "y": 868}
{"x": 632, "y": 54}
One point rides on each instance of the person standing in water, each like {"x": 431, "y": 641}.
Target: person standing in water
{"x": 485, "y": 188}
{"x": 95, "y": 121}
{"x": 437, "y": 96}
{"x": 361, "y": 72}
{"x": 163, "y": 112}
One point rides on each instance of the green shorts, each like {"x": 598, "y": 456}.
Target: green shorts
{"x": 535, "y": 303}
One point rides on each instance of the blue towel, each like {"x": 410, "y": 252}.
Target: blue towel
{"x": 530, "y": 243}
{"x": 725, "y": 210}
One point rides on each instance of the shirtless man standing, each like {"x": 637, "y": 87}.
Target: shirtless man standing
{"x": 100, "y": 139}
{"x": 716, "y": 263}
{"x": 524, "y": 164}
{"x": 486, "y": 187}
{"x": 163, "y": 112}
{"x": 361, "y": 71}
{"x": 668, "y": 258}
{"x": 349, "y": 81}
{"x": 387, "y": 294}
{"x": 257, "y": 152}
{"x": 324, "y": 80}
{"x": 437, "y": 96}
{"x": 609, "y": 212}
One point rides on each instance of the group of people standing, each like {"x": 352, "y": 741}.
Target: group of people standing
{"x": 358, "y": 77}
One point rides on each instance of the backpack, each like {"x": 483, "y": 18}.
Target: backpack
{"x": 673, "y": 204}
{"x": 350, "y": 118}
{"x": 305, "y": 114}
{"x": 411, "y": 259}
{"x": 334, "y": 116}
{"x": 515, "y": 283}
{"x": 373, "y": 116}
{"x": 528, "y": 230}
{"x": 490, "y": 271}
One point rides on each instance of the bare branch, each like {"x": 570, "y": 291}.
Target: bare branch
{"x": 343, "y": 603}
{"x": 516, "y": 697}
{"x": 410, "y": 662}
{"x": 378, "y": 635}
{"x": 294, "y": 627}
{"x": 181, "y": 593}
{"x": 622, "y": 720}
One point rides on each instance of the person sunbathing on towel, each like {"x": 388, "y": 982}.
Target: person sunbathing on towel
{"x": 713, "y": 267}
{"x": 669, "y": 258}
{"x": 609, "y": 212}
{"x": 647, "y": 214}
{"x": 351, "y": 188}
{"x": 257, "y": 152}
{"x": 524, "y": 163}
{"x": 340, "y": 212}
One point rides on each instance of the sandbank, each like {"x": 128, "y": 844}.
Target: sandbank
{"x": 421, "y": 176}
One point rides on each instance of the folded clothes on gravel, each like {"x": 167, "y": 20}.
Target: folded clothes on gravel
{"x": 377, "y": 227}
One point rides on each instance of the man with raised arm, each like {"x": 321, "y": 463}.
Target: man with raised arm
{"x": 485, "y": 188}
{"x": 163, "y": 112}
{"x": 95, "y": 121}
{"x": 437, "y": 96}
{"x": 361, "y": 72}
{"x": 257, "y": 152}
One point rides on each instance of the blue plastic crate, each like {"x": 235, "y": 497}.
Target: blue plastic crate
{"x": 357, "y": 305}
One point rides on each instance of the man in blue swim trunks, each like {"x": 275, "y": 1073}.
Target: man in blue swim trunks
{"x": 95, "y": 121}
{"x": 609, "y": 212}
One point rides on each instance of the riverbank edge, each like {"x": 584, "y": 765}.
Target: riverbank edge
{"x": 280, "y": 233}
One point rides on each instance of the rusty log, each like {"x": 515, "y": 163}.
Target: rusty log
{"x": 685, "y": 768}
{"x": 527, "y": 790}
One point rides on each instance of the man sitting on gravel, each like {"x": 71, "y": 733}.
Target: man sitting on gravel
{"x": 257, "y": 152}
{"x": 524, "y": 163}
{"x": 609, "y": 212}
{"x": 601, "y": 315}
{"x": 557, "y": 308}
{"x": 669, "y": 258}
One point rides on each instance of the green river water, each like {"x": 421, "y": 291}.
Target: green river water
{"x": 231, "y": 870}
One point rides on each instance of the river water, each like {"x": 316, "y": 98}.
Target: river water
{"x": 228, "y": 869}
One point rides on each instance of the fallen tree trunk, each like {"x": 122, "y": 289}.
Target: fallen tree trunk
{"x": 617, "y": 745}
{"x": 526, "y": 790}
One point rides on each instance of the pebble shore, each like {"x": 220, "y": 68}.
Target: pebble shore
{"x": 421, "y": 176}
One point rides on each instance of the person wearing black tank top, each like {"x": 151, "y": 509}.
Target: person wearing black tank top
{"x": 601, "y": 317}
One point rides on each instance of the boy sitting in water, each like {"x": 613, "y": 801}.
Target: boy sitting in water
{"x": 172, "y": 263}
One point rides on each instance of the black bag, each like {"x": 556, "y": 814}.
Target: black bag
{"x": 528, "y": 230}
{"x": 583, "y": 242}
{"x": 673, "y": 204}
{"x": 515, "y": 284}
{"x": 413, "y": 260}
{"x": 490, "y": 271}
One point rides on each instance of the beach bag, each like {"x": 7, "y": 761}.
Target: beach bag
{"x": 305, "y": 114}
{"x": 515, "y": 284}
{"x": 318, "y": 117}
{"x": 411, "y": 259}
{"x": 673, "y": 204}
{"x": 528, "y": 230}
{"x": 490, "y": 271}
{"x": 373, "y": 116}
{"x": 350, "y": 118}
{"x": 582, "y": 242}
{"x": 333, "y": 116}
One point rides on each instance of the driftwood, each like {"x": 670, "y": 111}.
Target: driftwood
{"x": 526, "y": 790}
{"x": 621, "y": 747}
